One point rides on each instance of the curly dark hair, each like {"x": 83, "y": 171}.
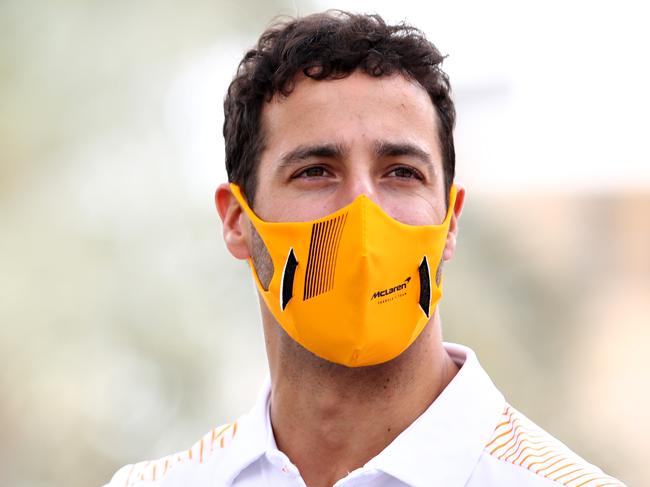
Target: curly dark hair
{"x": 328, "y": 45}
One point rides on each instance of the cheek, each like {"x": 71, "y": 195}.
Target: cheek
{"x": 261, "y": 259}
{"x": 299, "y": 206}
{"x": 415, "y": 211}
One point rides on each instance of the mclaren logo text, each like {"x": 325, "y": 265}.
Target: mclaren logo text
{"x": 385, "y": 292}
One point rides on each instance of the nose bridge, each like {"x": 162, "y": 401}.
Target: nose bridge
{"x": 359, "y": 181}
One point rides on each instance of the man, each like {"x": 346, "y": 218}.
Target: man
{"x": 339, "y": 149}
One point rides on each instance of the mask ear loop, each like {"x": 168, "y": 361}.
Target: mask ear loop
{"x": 424, "y": 270}
{"x": 255, "y": 221}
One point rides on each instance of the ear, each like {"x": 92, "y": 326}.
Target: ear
{"x": 450, "y": 244}
{"x": 235, "y": 230}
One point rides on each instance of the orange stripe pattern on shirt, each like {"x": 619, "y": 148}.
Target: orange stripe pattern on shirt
{"x": 203, "y": 449}
{"x": 519, "y": 441}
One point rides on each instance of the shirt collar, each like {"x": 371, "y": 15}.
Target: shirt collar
{"x": 441, "y": 447}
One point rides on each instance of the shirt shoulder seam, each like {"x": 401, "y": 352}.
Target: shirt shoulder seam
{"x": 520, "y": 442}
{"x": 154, "y": 471}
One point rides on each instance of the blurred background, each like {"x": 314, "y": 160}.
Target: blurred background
{"x": 127, "y": 331}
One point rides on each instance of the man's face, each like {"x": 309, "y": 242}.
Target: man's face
{"x": 331, "y": 141}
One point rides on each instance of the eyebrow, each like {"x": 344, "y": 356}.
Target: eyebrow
{"x": 303, "y": 152}
{"x": 381, "y": 148}
{"x": 395, "y": 149}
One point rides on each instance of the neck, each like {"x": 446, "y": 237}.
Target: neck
{"x": 348, "y": 415}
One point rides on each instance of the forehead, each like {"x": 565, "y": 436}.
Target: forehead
{"x": 351, "y": 110}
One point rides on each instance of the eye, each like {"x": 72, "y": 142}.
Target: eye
{"x": 405, "y": 172}
{"x": 311, "y": 172}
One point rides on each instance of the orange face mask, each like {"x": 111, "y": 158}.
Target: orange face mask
{"x": 356, "y": 287}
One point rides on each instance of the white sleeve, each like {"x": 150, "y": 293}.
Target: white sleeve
{"x": 120, "y": 478}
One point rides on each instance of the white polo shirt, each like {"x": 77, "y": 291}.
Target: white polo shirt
{"x": 469, "y": 437}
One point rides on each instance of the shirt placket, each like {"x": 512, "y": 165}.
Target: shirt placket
{"x": 285, "y": 469}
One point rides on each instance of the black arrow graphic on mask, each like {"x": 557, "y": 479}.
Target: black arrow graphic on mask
{"x": 287, "y": 279}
